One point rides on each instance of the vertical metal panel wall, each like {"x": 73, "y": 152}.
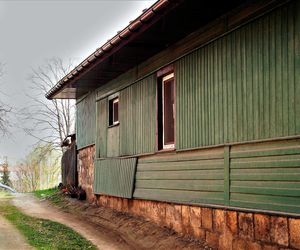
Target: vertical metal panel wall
{"x": 115, "y": 177}
{"x": 243, "y": 86}
{"x": 86, "y": 121}
{"x": 138, "y": 117}
{"x": 102, "y": 123}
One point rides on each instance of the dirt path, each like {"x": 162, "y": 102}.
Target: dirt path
{"x": 106, "y": 228}
{"x": 100, "y": 237}
{"x": 10, "y": 237}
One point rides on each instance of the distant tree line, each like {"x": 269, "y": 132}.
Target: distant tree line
{"x": 40, "y": 169}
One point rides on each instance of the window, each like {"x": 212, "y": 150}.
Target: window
{"x": 166, "y": 112}
{"x": 114, "y": 111}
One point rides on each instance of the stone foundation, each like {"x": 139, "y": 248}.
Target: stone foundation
{"x": 221, "y": 229}
{"x": 86, "y": 158}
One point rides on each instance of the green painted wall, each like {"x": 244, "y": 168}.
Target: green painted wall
{"x": 240, "y": 87}
{"x": 266, "y": 176}
{"x": 259, "y": 176}
{"x": 244, "y": 86}
{"x": 101, "y": 131}
{"x": 86, "y": 121}
{"x": 138, "y": 117}
{"x": 115, "y": 177}
{"x": 194, "y": 177}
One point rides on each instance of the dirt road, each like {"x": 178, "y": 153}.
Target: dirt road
{"x": 100, "y": 238}
{"x": 10, "y": 238}
{"x": 106, "y": 228}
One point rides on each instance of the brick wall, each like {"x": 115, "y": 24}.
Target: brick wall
{"x": 86, "y": 158}
{"x": 220, "y": 228}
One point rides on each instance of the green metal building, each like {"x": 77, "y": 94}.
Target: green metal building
{"x": 196, "y": 102}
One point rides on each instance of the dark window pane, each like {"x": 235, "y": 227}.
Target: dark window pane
{"x": 116, "y": 111}
{"x": 113, "y": 111}
{"x": 110, "y": 113}
{"x": 168, "y": 94}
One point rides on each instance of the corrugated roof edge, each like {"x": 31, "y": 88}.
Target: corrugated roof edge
{"x": 109, "y": 45}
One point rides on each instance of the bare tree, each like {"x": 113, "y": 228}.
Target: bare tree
{"x": 4, "y": 109}
{"x": 50, "y": 121}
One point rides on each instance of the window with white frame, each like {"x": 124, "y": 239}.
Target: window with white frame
{"x": 113, "y": 111}
{"x": 166, "y": 111}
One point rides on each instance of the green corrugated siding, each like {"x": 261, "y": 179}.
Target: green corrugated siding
{"x": 102, "y": 123}
{"x": 114, "y": 177}
{"x": 196, "y": 177}
{"x": 266, "y": 176}
{"x": 243, "y": 86}
{"x": 86, "y": 121}
{"x": 138, "y": 117}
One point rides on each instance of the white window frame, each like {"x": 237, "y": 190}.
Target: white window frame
{"x": 116, "y": 100}
{"x": 166, "y": 78}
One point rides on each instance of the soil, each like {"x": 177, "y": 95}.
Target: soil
{"x": 106, "y": 228}
{"x": 10, "y": 237}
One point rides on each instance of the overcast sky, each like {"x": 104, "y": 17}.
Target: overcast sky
{"x": 32, "y": 31}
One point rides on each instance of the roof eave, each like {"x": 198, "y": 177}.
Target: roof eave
{"x": 144, "y": 21}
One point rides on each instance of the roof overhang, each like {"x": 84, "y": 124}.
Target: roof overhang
{"x": 163, "y": 24}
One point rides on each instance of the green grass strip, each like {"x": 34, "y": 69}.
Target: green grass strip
{"x": 45, "y": 193}
{"x": 44, "y": 234}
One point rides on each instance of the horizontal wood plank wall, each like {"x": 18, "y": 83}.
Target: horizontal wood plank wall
{"x": 86, "y": 121}
{"x": 190, "y": 177}
{"x": 262, "y": 176}
{"x": 243, "y": 86}
{"x": 138, "y": 117}
{"x": 266, "y": 176}
{"x": 114, "y": 177}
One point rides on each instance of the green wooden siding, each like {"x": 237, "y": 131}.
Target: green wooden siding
{"x": 266, "y": 176}
{"x": 102, "y": 123}
{"x": 243, "y": 86}
{"x": 86, "y": 121}
{"x": 138, "y": 117}
{"x": 113, "y": 141}
{"x": 240, "y": 87}
{"x": 195, "y": 177}
{"x": 259, "y": 176}
{"x": 114, "y": 177}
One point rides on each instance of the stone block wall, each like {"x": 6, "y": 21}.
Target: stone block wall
{"x": 85, "y": 163}
{"x": 221, "y": 229}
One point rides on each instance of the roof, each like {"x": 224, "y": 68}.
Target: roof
{"x": 160, "y": 26}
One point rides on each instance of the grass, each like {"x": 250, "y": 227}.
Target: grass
{"x": 52, "y": 194}
{"x": 44, "y": 234}
{"x": 4, "y": 195}
{"x": 45, "y": 193}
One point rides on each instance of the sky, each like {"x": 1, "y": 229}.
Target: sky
{"x": 32, "y": 31}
